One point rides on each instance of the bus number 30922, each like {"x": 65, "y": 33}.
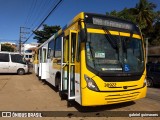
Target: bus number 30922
{"x": 110, "y": 85}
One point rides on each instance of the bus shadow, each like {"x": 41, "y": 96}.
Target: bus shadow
{"x": 154, "y": 87}
{"x": 101, "y": 108}
{"x": 50, "y": 85}
{"x": 82, "y": 109}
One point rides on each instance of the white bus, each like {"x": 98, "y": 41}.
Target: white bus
{"x": 11, "y": 62}
{"x": 45, "y": 65}
{"x": 41, "y": 63}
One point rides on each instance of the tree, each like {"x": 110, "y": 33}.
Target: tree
{"x": 113, "y": 13}
{"x": 144, "y": 14}
{"x": 145, "y": 17}
{"x": 154, "y": 36}
{"x": 124, "y": 14}
{"x": 46, "y": 33}
{"x": 8, "y": 47}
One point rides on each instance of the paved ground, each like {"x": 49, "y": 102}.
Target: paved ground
{"x": 27, "y": 93}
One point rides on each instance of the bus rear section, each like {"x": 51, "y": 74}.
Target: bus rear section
{"x": 102, "y": 61}
{"x": 35, "y": 62}
{"x": 13, "y": 63}
{"x": 43, "y": 60}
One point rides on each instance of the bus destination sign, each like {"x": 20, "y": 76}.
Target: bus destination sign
{"x": 111, "y": 23}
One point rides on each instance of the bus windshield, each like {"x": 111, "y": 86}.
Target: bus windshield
{"x": 103, "y": 56}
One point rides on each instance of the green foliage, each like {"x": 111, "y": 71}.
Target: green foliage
{"x": 154, "y": 36}
{"x": 46, "y": 33}
{"x": 145, "y": 17}
{"x": 124, "y": 14}
{"x": 8, "y": 47}
{"x": 144, "y": 13}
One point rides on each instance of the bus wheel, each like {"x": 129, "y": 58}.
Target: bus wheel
{"x": 149, "y": 82}
{"x": 38, "y": 72}
{"x": 21, "y": 71}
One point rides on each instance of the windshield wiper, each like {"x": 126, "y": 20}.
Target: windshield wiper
{"x": 112, "y": 40}
{"x": 116, "y": 44}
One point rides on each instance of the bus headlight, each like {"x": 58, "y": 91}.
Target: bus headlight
{"x": 91, "y": 84}
{"x": 145, "y": 83}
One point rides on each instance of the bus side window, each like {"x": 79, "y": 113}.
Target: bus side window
{"x": 50, "y": 49}
{"x": 78, "y": 49}
{"x": 73, "y": 44}
{"x": 58, "y": 47}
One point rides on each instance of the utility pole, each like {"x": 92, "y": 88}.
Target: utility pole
{"x": 21, "y": 37}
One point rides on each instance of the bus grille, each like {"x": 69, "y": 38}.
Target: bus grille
{"x": 116, "y": 98}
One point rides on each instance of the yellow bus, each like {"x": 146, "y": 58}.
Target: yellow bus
{"x": 102, "y": 60}
{"x": 35, "y": 61}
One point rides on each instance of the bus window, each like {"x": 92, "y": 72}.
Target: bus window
{"x": 58, "y": 47}
{"x": 50, "y": 49}
{"x": 73, "y": 44}
{"x": 44, "y": 55}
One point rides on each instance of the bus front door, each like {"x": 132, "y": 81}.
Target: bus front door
{"x": 68, "y": 64}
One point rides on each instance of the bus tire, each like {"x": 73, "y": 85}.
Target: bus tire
{"x": 57, "y": 80}
{"x": 38, "y": 72}
{"x": 149, "y": 82}
{"x": 20, "y": 71}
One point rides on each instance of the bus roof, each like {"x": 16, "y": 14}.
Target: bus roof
{"x": 104, "y": 20}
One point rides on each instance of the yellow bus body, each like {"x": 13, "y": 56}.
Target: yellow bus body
{"x": 109, "y": 92}
{"x": 135, "y": 89}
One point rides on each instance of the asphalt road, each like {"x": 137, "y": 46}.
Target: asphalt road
{"x": 27, "y": 93}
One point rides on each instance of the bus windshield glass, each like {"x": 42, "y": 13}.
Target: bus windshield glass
{"x": 114, "y": 53}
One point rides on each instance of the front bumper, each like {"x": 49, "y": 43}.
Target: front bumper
{"x": 92, "y": 98}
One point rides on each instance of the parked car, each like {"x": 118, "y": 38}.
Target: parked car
{"x": 153, "y": 74}
{"x": 11, "y": 62}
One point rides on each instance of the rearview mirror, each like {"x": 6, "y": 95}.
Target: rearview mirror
{"x": 83, "y": 35}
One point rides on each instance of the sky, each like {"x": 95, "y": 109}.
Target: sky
{"x": 30, "y": 13}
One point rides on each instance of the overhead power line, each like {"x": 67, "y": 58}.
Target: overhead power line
{"x": 44, "y": 19}
{"x": 49, "y": 14}
{"x": 32, "y": 8}
{"x": 43, "y": 6}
